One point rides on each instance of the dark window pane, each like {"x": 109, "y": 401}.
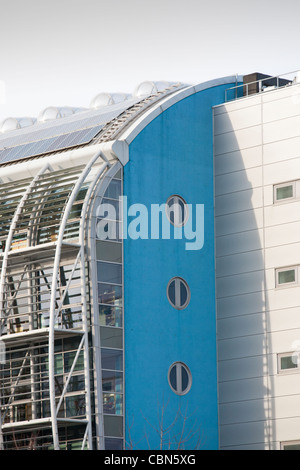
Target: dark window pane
{"x": 112, "y": 359}
{"x": 113, "y": 444}
{"x": 110, "y": 208}
{"x": 110, "y": 315}
{"x": 286, "y": 276}
{"x": 287, "y": 363}
{"x": 109, "y": 272}
{"x": 284, "y": 192}
{"x": 109, "y": 294}
{"x": 173, "y": 377}
{"x": 171, "y": 292}
{"x": 291, "y": 446}
{"x": 114, "y": 189}
{"x": 184, "y": 379}
{"x": 112, "y": 404}
{"x": 176, "y": 210}
{"x": 75, "y": 406}
{"x": 112, "y": 381}
{"x": 183, "y": 294}
{"x": 113, "y": 425}
{"x": 109, "y": 251}
{"x": 111, "y": 337}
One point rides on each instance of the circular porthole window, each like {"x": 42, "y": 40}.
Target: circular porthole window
{"x": 177, "y": 210}
{"x": 180, "y": 378}
{"x": 178, "y": 293}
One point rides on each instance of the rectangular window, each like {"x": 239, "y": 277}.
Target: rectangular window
{"x": 112, "y": 359}
{"x": 111, "y": 337}
{"x": 109, "y": 251}
{"x": 291, "y": 445}
{"x": 109, "y": 294}
{"x": 288, "y": 362}
{"x": 109, "y": 272}
{"x": 114, "y": 190}
{"x": 112, "y": 381}
{"x": 284, "y": 191}
{"x": 286, "y": 276}
{"x": 110, "y": 315}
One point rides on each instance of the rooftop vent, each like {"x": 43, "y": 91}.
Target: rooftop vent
{"x": 53, "y": 112}
{"x": 12, "y": 123}
{"x": 107, "y": 99}
{"x": 150, "y": 88}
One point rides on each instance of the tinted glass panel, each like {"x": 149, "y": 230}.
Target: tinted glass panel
{"x": 114, "y": 190}
{"x": 173, "y": 377}
{"x": 183, "y": 294}
{"x": 112, "y": 403}
{"x": 109, "y": 251}
{"x": 287, "y": 363}
{"x": 176, "y": 210}
{"x": 109, "y": 294}
{"x": 284, "y": 192}
{"x": 184, "y": 379}
{"x": 178, "y": 293}
{"x": 112, "y": 359}
{"x": 112, "y": 381}
{"x": 113, "y": 425}
{"x": 286, "y": 276}
{"x": 111, "y": 337}
{"x": 171, "y": 292}
{"x": 108, "y": 272}
{"x": 113, "y": 444}
{"x": 291, "y": 446}
{"x": 110, "y": 315}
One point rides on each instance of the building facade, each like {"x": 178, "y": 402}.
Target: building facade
{"x": 149, "y": 272}
{"x": 256, "y": 155}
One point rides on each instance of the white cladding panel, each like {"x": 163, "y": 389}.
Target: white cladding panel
{"x": 234, "y": 161}
{"x": 282, "y": 150}
{"x": 241, "y": 390}
{"x": 237, "y": 119}
{"x": 256, "y": 146}
{"x": 229, "y": 203}
{"x": 239, "y": 242}
{"x": 238, "y": 181}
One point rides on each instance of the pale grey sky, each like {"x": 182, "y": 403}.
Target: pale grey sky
{"x": 64, "y": 52}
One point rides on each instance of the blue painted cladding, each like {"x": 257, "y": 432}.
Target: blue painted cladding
{"x": 172, "y": 155}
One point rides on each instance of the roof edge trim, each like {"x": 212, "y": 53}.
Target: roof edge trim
{"x": 69, "y": 159}
{"x": 162, "y": 105}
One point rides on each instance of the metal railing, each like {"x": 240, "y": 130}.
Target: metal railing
{"x": 262, "y": 85}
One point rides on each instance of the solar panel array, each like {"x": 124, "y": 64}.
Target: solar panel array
{"x": 52, "y": 144}
{"x": 77, "y": 129}
{"x": 46, "y": 137}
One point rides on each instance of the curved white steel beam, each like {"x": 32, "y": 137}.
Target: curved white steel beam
{"x": 11, "y": 233}
{"x": 90, "y": 197}
{"x": 7, "y": 249}
{"x": 68, "y": 208}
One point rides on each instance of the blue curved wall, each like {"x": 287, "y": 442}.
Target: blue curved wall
{"x": 172, "y": 155}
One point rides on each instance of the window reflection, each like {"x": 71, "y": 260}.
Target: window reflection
{"x": 110, "y": 315}
{"x": 109, "y": 276}
{"x": 109, "y": 294}
{"x": 112, "y": 381}
{"x": 112, "y": 403}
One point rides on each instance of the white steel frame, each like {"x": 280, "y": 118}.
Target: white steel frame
{"x": 55, "y": 307}
{"x": 98, "y": 188}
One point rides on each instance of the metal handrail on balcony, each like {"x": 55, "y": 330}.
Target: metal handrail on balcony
{"x": 261, "y": 88}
